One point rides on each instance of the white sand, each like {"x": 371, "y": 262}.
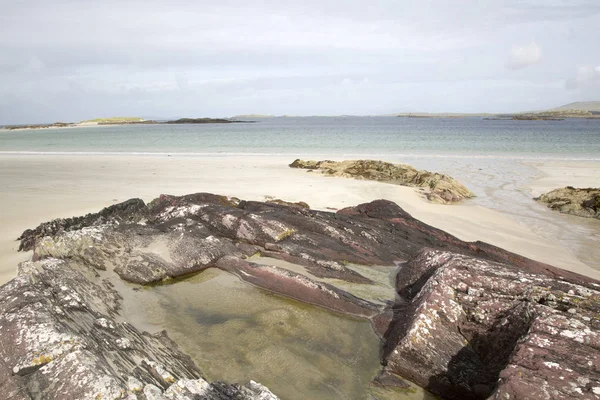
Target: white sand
{"x": 37, "y": 188}
{"x": 579, "y": 174}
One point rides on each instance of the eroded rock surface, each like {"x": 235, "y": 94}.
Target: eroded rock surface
{"x": 570, "y": 200}
{"x": 439, "y": 188}
{"x": 470, "y": 320}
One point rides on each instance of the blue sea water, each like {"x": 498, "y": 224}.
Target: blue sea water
{"x": 343, "y": 136}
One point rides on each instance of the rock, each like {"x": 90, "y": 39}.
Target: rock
{"x": 52, "y": 351}
{"x": 439, "y": 188}
{"x": 471, "y": 320}
{"x": 473, "y": 329}
{"x": 128, "y": 211}
{"x": 300, "y": 204}
{"x": 570, "y": 200}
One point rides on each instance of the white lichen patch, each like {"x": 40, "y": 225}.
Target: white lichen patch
{"x": 552, "y": 365}
{"x": 134, "y": 385}
{"x": 180, "y": 212}
{"x": 229, "y": 221}
{"x": 104, "y": 323}
{"x": 123, "y": 343}
{"x": 160, "y": 370}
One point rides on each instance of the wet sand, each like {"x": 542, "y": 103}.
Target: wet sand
{"x": 37, "y": 188}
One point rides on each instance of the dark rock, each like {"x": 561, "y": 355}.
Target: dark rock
{"x": 570, "y": 200}
{"x": 129, "y": 211}
{"x": 203, "y": 121}
{"x": 300, "y": 204}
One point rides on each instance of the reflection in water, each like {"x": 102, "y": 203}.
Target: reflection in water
{"x": 236, "y": 332}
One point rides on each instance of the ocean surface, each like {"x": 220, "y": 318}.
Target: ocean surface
{"x": 343, "y": 136}
{"x": 492, "y": 157}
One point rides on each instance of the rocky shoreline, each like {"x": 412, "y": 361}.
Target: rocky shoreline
{"x": 470, "y": 320}
{"x": 437, "y": 188}
{"x": 574, "y": 201}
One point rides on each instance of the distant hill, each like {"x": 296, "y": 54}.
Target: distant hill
{"x": 579, "y": 105}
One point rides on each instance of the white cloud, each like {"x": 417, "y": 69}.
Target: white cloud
{"x": 587, "y": 76}
{"x": 524, "y": 56}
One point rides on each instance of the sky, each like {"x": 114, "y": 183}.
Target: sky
{"x": 69, "y": 60}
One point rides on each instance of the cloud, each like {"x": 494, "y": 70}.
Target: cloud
{"x": 183, "y": 82}
{"x": 524, "y": 56}
{"x": 227, "y": 57}
{"x": 587, "y": 76}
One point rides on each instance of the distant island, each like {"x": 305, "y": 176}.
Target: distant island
{"x": 125, "y": 121}
{"x": 40, "y": 126}
{"x": 582, "y": 109}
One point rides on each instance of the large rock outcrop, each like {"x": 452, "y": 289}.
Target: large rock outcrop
{"x": 570, "y": 200}
{"x": 438, "y": 188}
{"x": 473, "y": 329}
{"x": 470, "y": 320}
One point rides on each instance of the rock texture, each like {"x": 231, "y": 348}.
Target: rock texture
{"x": 61, "y": 338}
{"x": 439, "y": 188}
{"x": 474, "y": 329}
{"x": 470, "y": 320}
{"x": 570, "y": 200}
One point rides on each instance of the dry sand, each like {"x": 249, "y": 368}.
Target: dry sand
{"x": 579, "y": 174}
{"x": 37, "y": 188}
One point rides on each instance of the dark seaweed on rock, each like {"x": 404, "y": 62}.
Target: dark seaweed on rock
{"x": 471, "y": 320}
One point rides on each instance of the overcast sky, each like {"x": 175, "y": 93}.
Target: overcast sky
{"x": 71, "y": 59}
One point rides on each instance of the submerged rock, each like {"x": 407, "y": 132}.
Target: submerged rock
{"x": 570, "y": 200}
{"x": 470, "y": 320}
{"x": 439, "y": 188}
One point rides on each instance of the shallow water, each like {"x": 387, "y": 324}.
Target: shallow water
{"x": 236, "y": 332}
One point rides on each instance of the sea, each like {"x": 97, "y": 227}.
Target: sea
{"x": 341, "y": 136}
{"x": 494, "y": 158}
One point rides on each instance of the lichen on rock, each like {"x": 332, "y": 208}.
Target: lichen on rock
{"x": 438, "y": 188}
{"x": 575, "y": 201}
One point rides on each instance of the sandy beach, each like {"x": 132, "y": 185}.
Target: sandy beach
{"x": 37, "y": 188}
